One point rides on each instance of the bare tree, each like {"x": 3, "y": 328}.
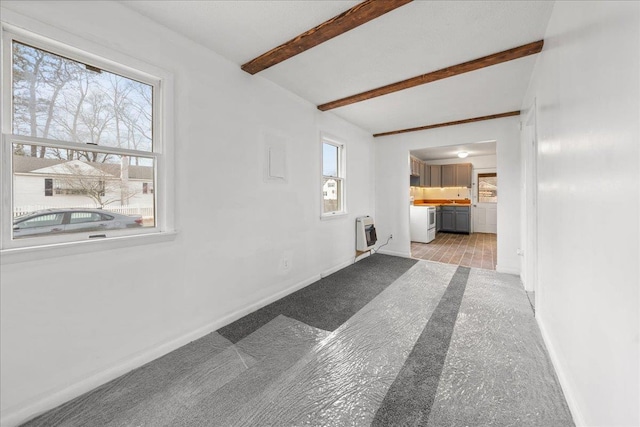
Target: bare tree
{"x": 101, "y": 187}
{"x": 59, "y": 98}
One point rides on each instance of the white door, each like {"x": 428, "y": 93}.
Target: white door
{"x": 485, "y": 208}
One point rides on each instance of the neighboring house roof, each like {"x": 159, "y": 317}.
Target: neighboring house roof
{"x": 74, "y": 167}
{"x": 27, "y": 164}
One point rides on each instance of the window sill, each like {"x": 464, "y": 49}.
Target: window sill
{"x": 334, "y": 215}
{"x": 32, "y": 253}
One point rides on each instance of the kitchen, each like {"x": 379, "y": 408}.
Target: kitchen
{"x": 453, "y": 197}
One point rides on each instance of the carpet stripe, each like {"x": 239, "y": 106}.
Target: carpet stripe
{"x": 409, "y": 399}
{"x": 329, "y": 302}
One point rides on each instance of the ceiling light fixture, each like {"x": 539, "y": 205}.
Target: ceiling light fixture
{"x": 462, "y": 154}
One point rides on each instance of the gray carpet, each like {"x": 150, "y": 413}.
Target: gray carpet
{"x": 423, "y": 345}
{"x": 344, "y": 379}
{"x": 497, "y": 371}
{"x": 329, "y": 302}
{"x": 409, "y": 400}
{"x": 206, "y": 364}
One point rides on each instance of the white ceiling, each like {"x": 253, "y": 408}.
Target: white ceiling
{"x": 414, "y": 39}
{"x": 482, "y": 148}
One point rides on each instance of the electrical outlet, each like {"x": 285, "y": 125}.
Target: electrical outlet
{"x": 390, "y": 236}
{"x": 286, "y": 261}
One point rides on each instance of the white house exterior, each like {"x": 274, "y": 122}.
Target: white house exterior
{"x": 51, "y": 183}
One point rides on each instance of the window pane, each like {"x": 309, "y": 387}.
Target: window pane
{"x": 329, "y": 160}
{"x": 488, "y": 188}
{"x": 103, "y": 189}
{"x": 61, "y": 99}
{"x": 332, "y": 195}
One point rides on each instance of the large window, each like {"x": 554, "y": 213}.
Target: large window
{"x": 80, "y": 134}
{"x": 333, "y": 179}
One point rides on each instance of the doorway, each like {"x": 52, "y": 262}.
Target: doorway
{"x": 475, "y": 197}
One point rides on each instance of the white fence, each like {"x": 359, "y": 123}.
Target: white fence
{"x": 144, "y": 211}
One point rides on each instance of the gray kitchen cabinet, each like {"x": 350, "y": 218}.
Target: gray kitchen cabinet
{"x": 453, "y": 175}
{"x": 434, "y": 173}
{"x": 438, "y": 218}
{"x": 426, "y": 175}
{"x": 415, "y": 167}
{"x": 463, "y": 225}
{"x": 415, "y": 173}
{"x": 456, "y": 219}
{"x": 448, "y": 176}
{"x": 448, "y": 218}
{"x": 463, "y": 175}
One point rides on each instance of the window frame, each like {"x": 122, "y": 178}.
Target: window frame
{"x": 95, "y": 55}
{"x": 341, "y": 176}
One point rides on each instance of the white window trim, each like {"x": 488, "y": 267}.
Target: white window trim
{"x": 59, "y": 42}
{"x": 342, "y": 169}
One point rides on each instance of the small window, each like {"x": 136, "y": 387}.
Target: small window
{"x": 48, "y": 187}
{"x": 147, "y": 188}
{"x": 333, "y": 180}
{"x": 487, "y": 188}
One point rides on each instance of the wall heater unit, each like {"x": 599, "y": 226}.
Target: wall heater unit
{"x": 365, "y": 234}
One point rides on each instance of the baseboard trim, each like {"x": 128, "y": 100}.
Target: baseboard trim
{"x": 508, "y": 270}
{"x": 567, "y": 389}
{"x": 23, "y": 413}
{"x": 395, "y": 253}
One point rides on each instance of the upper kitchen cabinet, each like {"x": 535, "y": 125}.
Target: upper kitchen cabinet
{"x": 448, "y": 178}
{"x": 435, "y": 174}
{"x": 456, "y": 175}
{"x": 462, "y": 175}
{"x": 415, "y": 166}
{"x": 450, "y": 175}
{"x": 425, "y": 176}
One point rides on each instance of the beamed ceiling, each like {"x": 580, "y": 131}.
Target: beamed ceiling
{"x": 388, "y": 66}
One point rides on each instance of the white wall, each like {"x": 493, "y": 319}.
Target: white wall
{"x": 392, "y": 182}
{"x": 586, "y": 86}
{"x": 70, "y": 322}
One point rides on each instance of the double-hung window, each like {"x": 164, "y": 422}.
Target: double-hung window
{"x": 333, "y": 177}
{"x": 80, "y": 140}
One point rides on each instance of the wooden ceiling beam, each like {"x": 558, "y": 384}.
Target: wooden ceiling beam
{"x": 454, "y": 70}
{"x": 348, "y": 20}
{"x": 457, "y": 122}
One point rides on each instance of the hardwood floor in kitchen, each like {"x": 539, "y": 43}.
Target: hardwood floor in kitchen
{"x": 477, "y": 250}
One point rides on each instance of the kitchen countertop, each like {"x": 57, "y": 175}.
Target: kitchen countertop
{"x": 441, "y": 204}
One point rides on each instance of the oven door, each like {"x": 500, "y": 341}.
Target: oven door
{"x": 432, "y": 218}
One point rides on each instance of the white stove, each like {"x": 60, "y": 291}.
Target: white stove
{"x": 422, "y": 223}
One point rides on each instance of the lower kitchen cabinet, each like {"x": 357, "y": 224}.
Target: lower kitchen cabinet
{"x": 448, "y": 219}
{"x": 438, "y": 218}
{"x": 456, "y": 219}
{"x": 463, "y": 225}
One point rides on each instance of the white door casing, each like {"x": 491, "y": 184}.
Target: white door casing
{"x": 530, "y": 278}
